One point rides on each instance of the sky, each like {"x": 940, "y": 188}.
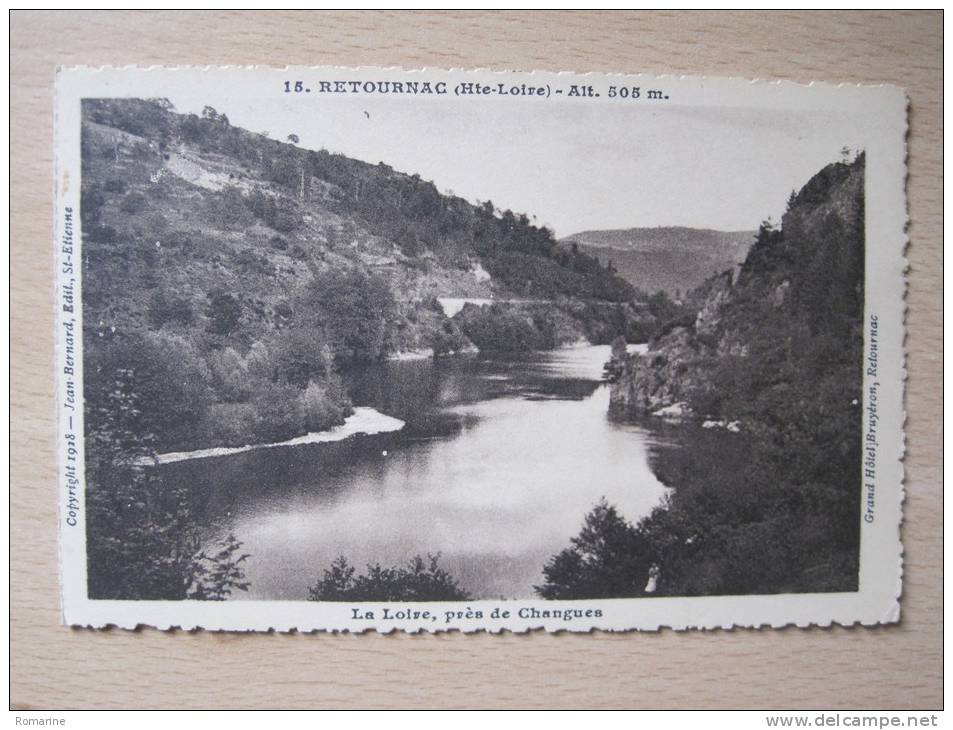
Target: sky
{"x": 573, "y": 166}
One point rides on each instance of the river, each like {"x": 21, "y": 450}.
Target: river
{"x": 499, "y": 461}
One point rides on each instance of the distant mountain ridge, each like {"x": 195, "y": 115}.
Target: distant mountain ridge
{"x": 674, "y": 259}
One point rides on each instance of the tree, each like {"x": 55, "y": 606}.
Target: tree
{"x": 167, "y": 376}
{"x": 354, "y": 308}
{"x": 279, "y": 413}
{"x": 145, "y": 543}
{"x": 209, "y": 114}
{"x": 224, "y": 313}
{"x": 118, "y": 433}
{"x": 324, "y": 404}
{"x": 500, "y": 327}
{"x": 166, "y": 307}
{"x": 164, "y": 104}
{"x": 420, "y": 580}
{"x": 228, "y": 210}
{"x": 301, "y": 355}
{"x": 294, "y": 138}
{"x": 608, "y": 559}
{"x": 616, "y": 365}
{"x": 144, "y": 540}
{"x": 792, "y": 200}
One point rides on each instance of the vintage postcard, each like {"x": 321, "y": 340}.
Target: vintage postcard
{"x": 423, "y": 350}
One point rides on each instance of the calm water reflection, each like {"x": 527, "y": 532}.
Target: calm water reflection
{"x": 500, "y": 460}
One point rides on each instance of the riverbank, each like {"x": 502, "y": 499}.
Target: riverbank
{"x": 500, "y": 458}
{"x": 366, "y": 421}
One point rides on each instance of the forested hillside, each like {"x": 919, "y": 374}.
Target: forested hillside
{"x": 229, "y": 277}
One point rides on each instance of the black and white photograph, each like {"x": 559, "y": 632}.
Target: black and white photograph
{"x": 433, "y": 350}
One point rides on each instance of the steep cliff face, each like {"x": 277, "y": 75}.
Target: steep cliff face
{"x": 792, "y": 312}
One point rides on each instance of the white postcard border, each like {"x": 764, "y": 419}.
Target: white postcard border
{"x": 876, "y": 602}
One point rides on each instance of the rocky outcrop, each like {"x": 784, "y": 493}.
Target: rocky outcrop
{"x": 658, "y": 378}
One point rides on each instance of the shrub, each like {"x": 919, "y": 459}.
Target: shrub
{"x": 167, "y": 377}
{"x": 298, "y": 252}
{"x": 229, "y": 373}
{"x": 165, "y": 308}
{"x": 301, "y": 355}
{"x": 278, "y": 412}
{"x": 260, "y": 363}
{"x": 144, "y": 543}
{"x": 224, "y": 313}
{"x": 231, "y": 424}
{"x": 226, "y": 210}
{"x": 419, "y": 581}
{"x": 448, "y": 338}
{"x": 252, "y": 262}
{"x": 285, "y": 218}
{"x": 322, "y": 406}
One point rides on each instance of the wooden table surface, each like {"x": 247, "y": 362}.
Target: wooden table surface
{"x": 58, "y": 667}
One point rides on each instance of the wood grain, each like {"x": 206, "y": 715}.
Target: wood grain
{"x": 57, "y": 667}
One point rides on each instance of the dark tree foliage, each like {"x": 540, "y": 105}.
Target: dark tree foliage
{"x": 499, "y": 327}
{"x": 355, "y": 309}
{"x": 614, "y": 368}
{"x": 608, "y": 559}
{"x": 166, "y": 307}
{"x": 227, "y": 210}
{"x": 420, "y": 580}
{"x": 278, "y": 411}
{"x": 165, "y": 374}
{"x": 224, "y": 313}
{"x": 667, "y": 314}
{"x": 144, "y": 543}
{"x": 143, "y": 539}
{"x": 302, "y": 354}
{"x": 140, "y": 117}
{"x": 449, "y": 338}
